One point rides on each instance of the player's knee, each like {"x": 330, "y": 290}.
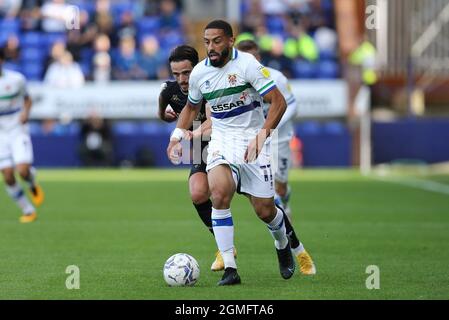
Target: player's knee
{"x": 24, "y": 172}
{"x": 281, "y": 189}
{"x": 220, "y": 198}
{"x": 265, "y": 211}
{"x": 9, "y": 178}
{"x": 199, "y": 196}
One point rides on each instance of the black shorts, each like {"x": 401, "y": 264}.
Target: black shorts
{"x": 199, "y": 167}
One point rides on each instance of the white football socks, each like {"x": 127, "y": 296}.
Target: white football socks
{"x": 277, "y": 229}
{"x": 224, "y": 235}
{"x": 17, "y": 194}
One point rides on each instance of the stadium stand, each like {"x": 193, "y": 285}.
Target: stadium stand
{"x": 131, "y": 40}
{"x": 163, "y": 19}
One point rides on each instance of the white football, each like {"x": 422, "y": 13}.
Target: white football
{"x": 181, "y": 269}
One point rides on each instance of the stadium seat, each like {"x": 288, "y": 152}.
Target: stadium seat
{"x": 87, "y": 55}
{"x": 327, "y": 55}
{"x": 33, "y": 55}
{"x": 148, "y": 25}
{"x": 117, "y": 9}
{"x": 51, "y": 38}
{"x": 32, "y": 71}
{"x": 275, "y": 24}
{"x": 88, "y": 6}
{"x": 3, "y": 38}
{"x": 170, "y": 40}
{"x": 10, "y": 26}
{"x": 86, "y": 68}
{"x": 328, "y": 70}
{"x": 32, "y": 39}
{"x": 304, "y": 69}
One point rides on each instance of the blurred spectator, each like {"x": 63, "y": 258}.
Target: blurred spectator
{"x": 102, "y": 59}
{"x": 104, "y": 20}
{"x": 253, "y": 16}
{"x": 274, "y": 7}
{"x": 56, "y": 52}
{"x": 150, "y": 7}
{"x": 102, "y": 67}
{"x": 127, "y": 25}
{"x": 326, "y": 39}
{"x": 55, "y": 13}
{"x": 363, "y": 62}
{"x": 64, "y": 73}
{"x": 126, "y": 65}
{"x": 276, "y": 59}
{"x": 151, "y": 60}
{"x": 315, "y": 16}
{"x": 11, "y": 51}
{"x": 296, "y": 149}
{"x": 30, "y": 14}
{"x": 9, "y": 8}
{"x": 96, "y": 146}
{"x": 170, "y": 18}
{"x": 301, "y": 44}
{"x": 82, "y": 38}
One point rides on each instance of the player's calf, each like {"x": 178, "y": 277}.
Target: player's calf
{"x": 28, "y": 174}
{"x": 17, "y": 194}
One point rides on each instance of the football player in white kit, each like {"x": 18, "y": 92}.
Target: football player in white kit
{"x": 16, "y": 151}
{"x": 234, "y": 83}
{"x": 285, "y": 130}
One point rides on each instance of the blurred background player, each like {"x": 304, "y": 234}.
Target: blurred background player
{"x": 282, "y": 145}
{"x": 285, "y": 129}
{"x": 174, "y": 94}
{"x": 234, "y": 83}
{"x": 16, "y": 151}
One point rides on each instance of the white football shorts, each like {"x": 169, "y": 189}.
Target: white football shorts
{"x": 255, "y": 178}
{"x": 15, "y": 148}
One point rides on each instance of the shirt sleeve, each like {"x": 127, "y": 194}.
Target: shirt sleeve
{"x": 195, "y": 95}
{"x": 259, "y": 76}
{"x": 164, "y": 92}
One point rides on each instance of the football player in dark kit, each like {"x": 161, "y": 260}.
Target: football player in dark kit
{"x": 174, "y": 94}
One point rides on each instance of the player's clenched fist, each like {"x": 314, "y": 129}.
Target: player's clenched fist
{"x": 174, "y": 151}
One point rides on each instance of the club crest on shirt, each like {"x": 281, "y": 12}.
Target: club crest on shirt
{"x": 244, "y": 96}
{"x": 232, "y": 78}
{"x": 207, "y": 84}
{"x": 175, "y": 98}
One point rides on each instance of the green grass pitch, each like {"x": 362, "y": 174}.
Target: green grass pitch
{"x": 119, "y": 227}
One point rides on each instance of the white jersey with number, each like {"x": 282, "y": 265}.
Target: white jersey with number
{"x": 12, "y": 93}
{"x": 235, "y": 95}
{"x": 285, "y": 126}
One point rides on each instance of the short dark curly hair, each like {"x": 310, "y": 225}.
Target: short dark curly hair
{"x": 184, "y": 52}
{"x": 220, "y": 24}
